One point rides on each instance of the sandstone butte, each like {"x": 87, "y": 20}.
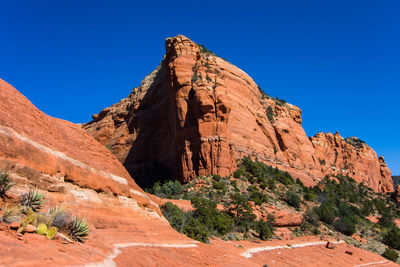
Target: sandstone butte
{"x": 77, "y": 172}
{"x": 196, "y": 114}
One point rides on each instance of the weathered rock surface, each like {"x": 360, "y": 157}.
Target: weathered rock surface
{"x": 353, "y": 157}
{"x": 54, "y": 154}
{"x": 196, "y": 113}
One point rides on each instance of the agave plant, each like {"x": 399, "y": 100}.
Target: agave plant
{"x": 5, "y": 183}
{"x": 9, "y": 214}
{"x": 34, "y": 199}
{"x": 78, "y": 228}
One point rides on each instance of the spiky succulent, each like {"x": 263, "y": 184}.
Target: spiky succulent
{"x": 5, "y": 183}
{"x": 9, "y": 213}
{"x": 78, "y": 228}
{"x": 34, "y": 199}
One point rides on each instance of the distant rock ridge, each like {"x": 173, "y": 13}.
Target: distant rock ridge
{"x": 196, "y": 114}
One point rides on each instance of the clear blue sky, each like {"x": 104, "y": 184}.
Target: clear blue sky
{"x": 339, "y": 61}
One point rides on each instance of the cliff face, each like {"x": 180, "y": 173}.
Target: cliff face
{"x": 353, "y": 157}
{"x": 197, "y": 113}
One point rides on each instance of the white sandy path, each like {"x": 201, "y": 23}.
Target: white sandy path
{"x": 109, "y": 261}
{"x": 380, "y": 263}
{"x": 249, "y": 253}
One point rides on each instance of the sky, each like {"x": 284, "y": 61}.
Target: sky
{"x": 339, "y": 61}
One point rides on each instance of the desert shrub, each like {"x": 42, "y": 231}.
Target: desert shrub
{"x": 241, "y": 172}
{"x": 264, "y": 230}
{"x": 175, "y": 216}
{"x": 270, "y": 114}
{"x": 263, "y": 171}
{"x": 311, "y": 216}
{"x": 195, "y": 230}
{"x": 390, "y": 254}
{"x": 5, "y": 183}
{"x": 10, "y": 213}
{"x": 308, "y": 228}
{"x": 300, "y": 183}
{"x": 367, "y": 207}
{"x": 169, "y": 189}
{"x": 58, "y": 217}
{"x": 78, "y": 228}
{"x": 326, "y": 213}
{"x": 257, "y": 196}
{"x": 219, "y": 185}
{"x": 207, "y": 214}
{"x": 216, "y": 177}
{"x": 345, "y": 225}
{"x": 310, "y": 196}
{"x": 239, "y": 208}
{"x": 386, "y": 220}
{"x": 34, "y": 199}
{"x": 271, "y": 183}
{"x": 392, "y": 237}
{"x": 204, "y": 50}
{"x": 292, "y": 199}
{"x": 354, "y": 141}
{"x": 349, "y": 211}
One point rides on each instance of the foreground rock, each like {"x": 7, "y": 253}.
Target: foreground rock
{"x": 196, "y": 114}
{"x": 56, "y": 155}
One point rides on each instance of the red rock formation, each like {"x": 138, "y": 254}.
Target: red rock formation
{"x": 196, "y": 114}
{"x": 57, "y": 155}
{"x": 352, "y": 157}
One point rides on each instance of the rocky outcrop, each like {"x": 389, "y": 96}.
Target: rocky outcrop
{"x": 56, "y": 155}
{"x": 196, "y": 114}
{"x": 352, "y": 157}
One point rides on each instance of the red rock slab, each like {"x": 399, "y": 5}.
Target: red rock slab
{"x": 48, "y": 145}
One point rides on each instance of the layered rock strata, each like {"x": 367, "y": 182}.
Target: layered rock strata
{"x": 56, "y": 155}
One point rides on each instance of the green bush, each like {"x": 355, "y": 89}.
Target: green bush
{"x": 264, "y": 230}
{"x": 195, "y": 230}
{"x": 240, "y": 210}
{"x": 390, "y": 254}
{"x": 326, "y": 213}
{"x": 345, "y": 225}
{"x": 292, "y": 199}
{"x": 386, "y": 220}
{"x": 5, "y": 183}
{"x": 311, "y": 216}
{"x": 257, "y": 196}
{"x": 367, "y": 207}
{"x": 169, "y": 189}
{"x": 392, "y": 237}
{"x": 206, "y": 213}
{"x": 175, "y": 216}
{"x": 219, "y": 185}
